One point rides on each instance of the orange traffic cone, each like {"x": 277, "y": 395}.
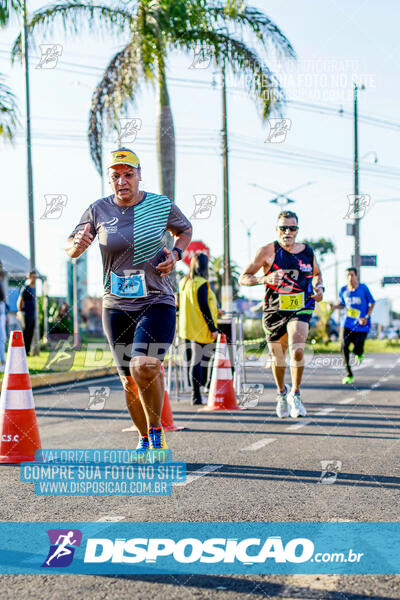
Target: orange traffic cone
{"x": 18, "y": 425}
{"x": 222, "y": 395}
{"x": 167, "y": 418}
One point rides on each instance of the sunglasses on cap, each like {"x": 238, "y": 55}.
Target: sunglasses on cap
{"x": 283, "y": 228}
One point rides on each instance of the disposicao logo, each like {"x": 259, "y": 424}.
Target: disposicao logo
{"x": 62, "y": 542}
{"x": 190, "y": 550}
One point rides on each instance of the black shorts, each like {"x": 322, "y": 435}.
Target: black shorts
{"x": 275, "y": 322}
{"x": 146, "y": 332}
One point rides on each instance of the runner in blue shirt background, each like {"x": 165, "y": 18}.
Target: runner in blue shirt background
{"x": 358, "y": 303}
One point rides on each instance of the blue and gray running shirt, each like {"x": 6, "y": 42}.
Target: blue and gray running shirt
{"x": 356, "y": 303}
{"x": 131, "y": 243}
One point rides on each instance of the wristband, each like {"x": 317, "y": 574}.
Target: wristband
{"x": 178, "y": 251}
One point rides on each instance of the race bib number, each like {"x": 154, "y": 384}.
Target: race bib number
{"x": 129, "y": 286}
{"x": 353, "y": 313}
{"x": 291, "y": 301}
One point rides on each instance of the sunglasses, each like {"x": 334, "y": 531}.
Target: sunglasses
{"x": 288, "y": 228}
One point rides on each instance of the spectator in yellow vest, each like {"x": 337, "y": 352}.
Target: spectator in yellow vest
{"x": 198, "y": 313}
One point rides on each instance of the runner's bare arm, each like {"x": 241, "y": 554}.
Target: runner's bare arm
{"x": 183, "y": 238}
{"x": 334, "y": 306}
{"x": 364, "y": 320}
{"x": 263, "y": 258}
{"x": 370, "y": 309}
{"x": 182, "y": 241}
{"x": 317, "y": 282}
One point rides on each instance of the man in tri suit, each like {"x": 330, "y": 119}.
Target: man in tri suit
{"x": 293, "y": 284}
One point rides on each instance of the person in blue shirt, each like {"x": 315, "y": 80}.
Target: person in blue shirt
{"x": 358, "y": 303}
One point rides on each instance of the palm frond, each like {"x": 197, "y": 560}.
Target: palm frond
{"x": 257, "y": 22}
{"x": 74, "y": 17}
{"x": 8, "y": 112}
{"x": 117, "y": 88}
{"x": 7, "y": 8}
{"x": 260, "y": 81}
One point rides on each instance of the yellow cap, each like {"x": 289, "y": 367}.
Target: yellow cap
{"x": 123, "y": 156}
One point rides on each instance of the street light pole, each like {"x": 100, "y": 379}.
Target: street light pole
{"x": 75, "y": 302}
{"x": 357, "y": 257}
{"x": 227, "y": 279}
{"x": 32, "y": 253}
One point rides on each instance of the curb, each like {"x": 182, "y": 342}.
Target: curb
{"x": 50, "y": 379}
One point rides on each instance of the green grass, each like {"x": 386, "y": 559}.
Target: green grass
{"x": 371, "y": 346}
{"x": 83, "y": 359}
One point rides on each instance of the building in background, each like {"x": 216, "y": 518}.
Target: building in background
{"x": 14, "y": 267}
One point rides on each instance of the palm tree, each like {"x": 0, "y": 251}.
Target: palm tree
{"x": 154, "y": 28}
{"x": 8, "y": 104}
{"x": 321, "y": 247}
{"x": 217, "y": 270}
{"x": 8, "y": 112}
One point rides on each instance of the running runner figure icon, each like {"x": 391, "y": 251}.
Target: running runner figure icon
{"x": 61, "y": 550}
{"x": 293, "y": 284}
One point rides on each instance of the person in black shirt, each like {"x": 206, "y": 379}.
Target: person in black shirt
{"x": 293, "y": 283}
{"x": 26, "y": 306}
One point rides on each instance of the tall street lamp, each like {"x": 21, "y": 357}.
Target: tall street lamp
{"x": 32, "y": 253}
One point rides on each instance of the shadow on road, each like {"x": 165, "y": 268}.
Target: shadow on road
{"x": 255, "y": 587}
{"x": 299, "y": 475}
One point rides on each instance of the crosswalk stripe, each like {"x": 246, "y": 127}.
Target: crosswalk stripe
{"x": 298, "y": 425}
{"x": 346, "y": 400}
{"x": 324, "y": 411}
{"x": 258, "y": 445}
{"x": 199, "y": 473}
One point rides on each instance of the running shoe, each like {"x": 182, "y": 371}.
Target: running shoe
{"x": 143, "y": 444}
{"x": 297, "y": 408}
{"x": 359, "y": 359}
{"x": 157, "y": 439}
{"x": 282, "y": 408}
{"x": 348, "y": 379}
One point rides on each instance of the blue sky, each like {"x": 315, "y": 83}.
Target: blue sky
{"x": 336, "y": 42}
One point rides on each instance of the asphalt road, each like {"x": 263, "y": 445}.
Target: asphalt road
{"x": 265, "y": 469}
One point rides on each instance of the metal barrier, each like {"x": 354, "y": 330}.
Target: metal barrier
{"x": 177, "y": 368}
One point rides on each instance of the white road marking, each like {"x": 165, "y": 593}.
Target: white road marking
{"x": 199, "y": 473}
{"x": 298, "y": 425}
{"x": 324, "y": 411}
{"x": 258, "y": 445}
{"x": 346, "y": 400}
{"x": 109, "y": 519}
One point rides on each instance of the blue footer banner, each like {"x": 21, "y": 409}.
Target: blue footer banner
{"x": 196, "y": 548}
